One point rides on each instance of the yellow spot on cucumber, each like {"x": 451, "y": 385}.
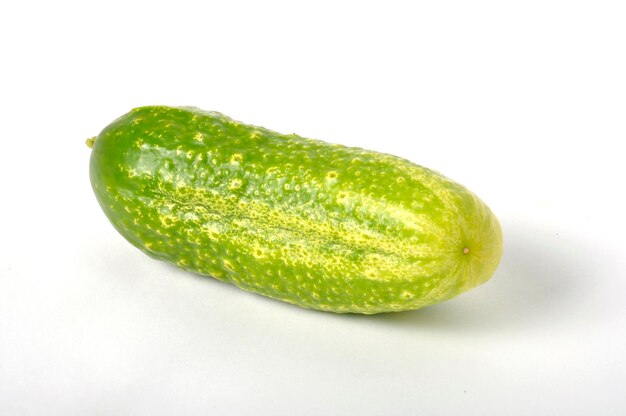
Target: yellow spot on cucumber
{"x": 236, "y": 159}
{"x": 235, "y": 183}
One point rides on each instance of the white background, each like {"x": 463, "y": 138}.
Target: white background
{"x": 523, "y": 102}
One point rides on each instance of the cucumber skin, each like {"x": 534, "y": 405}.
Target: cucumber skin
{"x": 319, "y": 225}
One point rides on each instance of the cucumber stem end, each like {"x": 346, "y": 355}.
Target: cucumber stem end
{"x": 90, "y": 141}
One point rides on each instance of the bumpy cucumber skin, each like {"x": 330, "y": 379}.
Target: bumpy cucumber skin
{"x": 319, "y": 225}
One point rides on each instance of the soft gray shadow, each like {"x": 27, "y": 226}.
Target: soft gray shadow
{"x": 541, "y": 277}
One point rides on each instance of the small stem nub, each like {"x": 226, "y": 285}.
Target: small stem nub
{"x": 90, "y": 141}
{"x": 466, "y": 250}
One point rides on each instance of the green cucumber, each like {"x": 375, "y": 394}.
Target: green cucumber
{"x": 322, "y": 226}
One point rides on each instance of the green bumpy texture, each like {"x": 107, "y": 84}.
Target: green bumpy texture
{"x": 319, "y": 225}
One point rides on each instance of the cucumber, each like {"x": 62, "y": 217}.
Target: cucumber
{"x": 319, "y": 225}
